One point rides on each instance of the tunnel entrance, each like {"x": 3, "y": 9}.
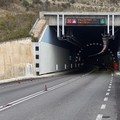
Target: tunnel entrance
{"x": 76, "y": 40}
{"x": 88, "y": 44}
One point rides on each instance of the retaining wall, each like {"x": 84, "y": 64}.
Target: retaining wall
{"x": 16, "y": 58}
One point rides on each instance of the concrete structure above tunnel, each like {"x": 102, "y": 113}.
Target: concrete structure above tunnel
{"x": 94, "y": 19}
{"x": 52, "y": 16}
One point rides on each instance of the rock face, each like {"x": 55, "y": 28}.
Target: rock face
{"x": 16, "y": 58}
{"x": 87, "y": 5}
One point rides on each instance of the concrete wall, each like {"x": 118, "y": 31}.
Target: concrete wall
{"x": 16, "y": 58}
{"x": 51, "y": 54}
{"x": 52, "y": 17}
{"x": 53, "y": 58}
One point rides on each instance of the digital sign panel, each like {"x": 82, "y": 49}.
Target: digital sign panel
{"x": 85, "y": 21}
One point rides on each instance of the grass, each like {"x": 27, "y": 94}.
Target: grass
{"x": 15, "y": 26}
{"x": 15, "y": 22}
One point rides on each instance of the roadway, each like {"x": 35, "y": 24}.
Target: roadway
{"x": 68, "y": 97}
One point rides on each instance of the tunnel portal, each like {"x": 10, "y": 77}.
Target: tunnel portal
{"x": 72, "y": 41}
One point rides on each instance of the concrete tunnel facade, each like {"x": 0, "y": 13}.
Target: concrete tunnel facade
{"x": 53, "y": 53}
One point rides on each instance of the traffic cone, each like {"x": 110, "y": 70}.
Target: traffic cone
{"x": 45, "y": 87}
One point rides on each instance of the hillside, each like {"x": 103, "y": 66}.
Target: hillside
{"x": 18, "y": 16}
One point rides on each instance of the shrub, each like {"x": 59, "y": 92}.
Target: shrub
{"x": 15, "y": 26}
{"x": 5, "y": 2}
{"x": 25, "y": 4}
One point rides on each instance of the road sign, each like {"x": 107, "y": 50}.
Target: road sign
{"x": 85, "y": 21}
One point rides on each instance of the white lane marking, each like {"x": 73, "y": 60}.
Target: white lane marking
{"x": 99, "y": 117}
{"x": 11, "y": 104}
{"x": 109, "y": 87}
{"x": 106, "y": 99}
{"x": 112, "y": 74}
{"x": 108, "y": 90}
{"x": 107, "y": 93}
{"x": 1, "y": 107}
{"x": 103, "y": 106}
{"x": 16, "y": 102}
{"x": 110, "y": 84}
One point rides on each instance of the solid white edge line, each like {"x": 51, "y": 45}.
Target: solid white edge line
{"x": 99, "y": 117}
{"x": 13, "y": 103}
{"x": 9, "y": 105}
{"x": 103, "y": 106}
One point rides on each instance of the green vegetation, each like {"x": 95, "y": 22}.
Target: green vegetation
{"x": 25, "y": 4}
{"x": 15, "y": 26}
{"x": 5, "y": 2}
{"x": 18, "y": 16}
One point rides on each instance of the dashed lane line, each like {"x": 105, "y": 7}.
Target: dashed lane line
{"x": 99, "y": 117}
{"x": 106, "y": 99}
{"x": 109, "y": 87}
{"x": 112, "y": 74}
{"x": 109, "y": 90}
{"x": 103, "y": 106}
{"x": 107, "y": 93}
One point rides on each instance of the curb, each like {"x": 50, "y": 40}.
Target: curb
{"x": 27, "y": 78}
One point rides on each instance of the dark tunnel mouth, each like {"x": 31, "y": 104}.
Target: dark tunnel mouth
{"x": 90, "y": 39}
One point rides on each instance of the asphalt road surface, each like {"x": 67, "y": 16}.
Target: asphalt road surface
{"x": 69, "y": 97}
